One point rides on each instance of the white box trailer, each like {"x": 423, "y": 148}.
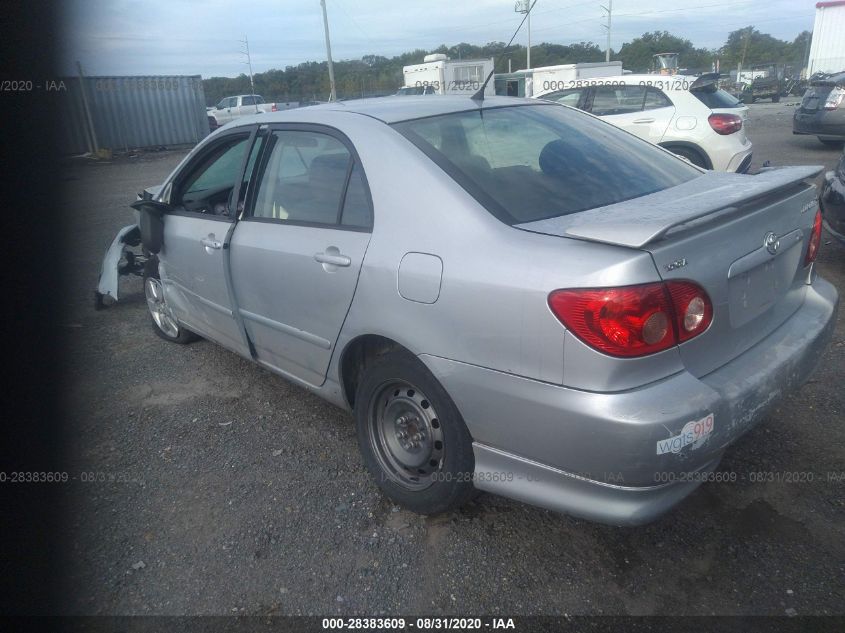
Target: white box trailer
{"x": 564, "y": 76}
{"x": 450, "y": 76}
{"x": 827, "y": 50}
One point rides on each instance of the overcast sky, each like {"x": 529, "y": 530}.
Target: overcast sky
{"x": 182, "y": 37}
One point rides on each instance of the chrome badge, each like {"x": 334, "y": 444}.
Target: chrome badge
{"x": 678, "y": 263}
{"x": 772, "y": 243}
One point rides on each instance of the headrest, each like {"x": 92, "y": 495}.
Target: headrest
{"x": 329, "y": 169}
{"x": 557, "y": 157}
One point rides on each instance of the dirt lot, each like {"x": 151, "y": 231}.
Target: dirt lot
{"x": 228, "y": 490}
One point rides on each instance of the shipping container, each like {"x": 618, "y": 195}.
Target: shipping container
{"x": 132, "y": 112}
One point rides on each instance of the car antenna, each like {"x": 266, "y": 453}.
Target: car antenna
{"x": 479, "y": 96}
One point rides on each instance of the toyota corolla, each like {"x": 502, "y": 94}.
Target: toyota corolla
{"x": 509, "y": 295}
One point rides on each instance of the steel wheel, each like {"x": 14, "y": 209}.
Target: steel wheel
{"x": 405, "y": 435}
{"x": 159, "y": 310}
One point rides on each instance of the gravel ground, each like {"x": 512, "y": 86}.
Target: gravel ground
{"x": 220, "y": 488}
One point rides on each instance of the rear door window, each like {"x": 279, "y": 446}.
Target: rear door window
{"x": 655, "y": 99}
{"x": 610, "y": 100}
{"x": 532, "y": 162}
{"x": 308, "y": 177}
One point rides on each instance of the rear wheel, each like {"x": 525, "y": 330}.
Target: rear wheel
{"x": 164, "y": 321}
{"x": 412, "y": 437}
{"x": 776, "y": 99}
{"x": 690, "y": 154}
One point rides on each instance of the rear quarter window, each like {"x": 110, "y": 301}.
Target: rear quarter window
{"x": 718, "y": 98}
{"x": 533, "y": 162}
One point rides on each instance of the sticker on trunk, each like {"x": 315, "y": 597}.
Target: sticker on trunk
{"x": 694, "y": 433}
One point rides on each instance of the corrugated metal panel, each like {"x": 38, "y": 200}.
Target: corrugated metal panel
{"x": 135, "y": 112}
{"x": 827, "y": 50}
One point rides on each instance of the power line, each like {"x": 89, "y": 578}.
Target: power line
{"x": 354, "y": 22}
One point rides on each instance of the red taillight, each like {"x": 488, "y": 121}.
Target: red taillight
{"x": 634, "y": 320}
{"x": 273, "y": 108}
{"x": 725, "y": 123}
{"x": 815, "y": 240}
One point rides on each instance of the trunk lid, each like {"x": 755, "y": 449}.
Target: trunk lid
{"x": 706, "y": 89}
{"x": 816, "y": 95}
{"x": 742, "y": 238}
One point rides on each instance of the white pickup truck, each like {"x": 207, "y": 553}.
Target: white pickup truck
{"x": 231, "y": 108}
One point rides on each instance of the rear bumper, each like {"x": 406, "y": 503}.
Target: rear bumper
{"x": 825, "y": 123}
{"x": 740, "y": 162}
{"x": 597, "y": 455}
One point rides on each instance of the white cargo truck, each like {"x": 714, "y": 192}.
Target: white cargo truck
{"x": 827, "y": 50}
{"x": 565, "y": 76}
{"x": 448, "y": 76}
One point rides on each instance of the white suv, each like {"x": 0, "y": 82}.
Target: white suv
{"x": 689, "y": 116}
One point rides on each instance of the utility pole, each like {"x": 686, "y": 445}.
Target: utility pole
{"x": 609, "y": 9}
{"x": 248, "y": 62}
{"x": 525, "y": 6}
{"x": 742, "y": 59}
{"x": 333, "y": 94}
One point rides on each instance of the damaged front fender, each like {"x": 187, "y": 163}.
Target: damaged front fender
{"x": 110, "y": 271}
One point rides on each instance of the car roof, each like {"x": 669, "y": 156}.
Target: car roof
{"x": 666, "y": 83}
{"x": 832, "y": 78}
{"x": 390, "y": 109}
{"x": 665, "y": 79}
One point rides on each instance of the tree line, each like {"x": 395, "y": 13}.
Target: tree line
{"x": 375, "y": 75}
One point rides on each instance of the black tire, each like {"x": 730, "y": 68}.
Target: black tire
{"x": 395, "y": 387}
{"x": 179, "y": 334}
{"x": 830, "y": 142}
{"x": 776, "y": 99}
{"x": 690, "y": 154}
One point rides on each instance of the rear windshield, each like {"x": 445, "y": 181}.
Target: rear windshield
{"x": 533, "y": 162}
{"x": 717, "y": 98}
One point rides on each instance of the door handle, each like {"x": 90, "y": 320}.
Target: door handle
{"x": 210, "y": 242}
{"x": 333, "y": 259}
{"x": 644, "y": 121}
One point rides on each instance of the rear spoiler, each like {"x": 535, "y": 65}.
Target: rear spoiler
{"x": 705, "y": 81}
{"x": 638, "y": 222}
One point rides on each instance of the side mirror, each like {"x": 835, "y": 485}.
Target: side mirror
{"x": 151, "y": 222}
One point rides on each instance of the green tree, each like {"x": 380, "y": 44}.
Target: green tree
{"x": 750, "y": 46}
{"x": 637, "y": 54}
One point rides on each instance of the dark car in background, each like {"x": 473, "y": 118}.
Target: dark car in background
{"x": 833, "y": 201}
{"x": 822, "y": 110}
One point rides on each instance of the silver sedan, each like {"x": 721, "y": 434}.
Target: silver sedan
{"x": 509, "y": 295}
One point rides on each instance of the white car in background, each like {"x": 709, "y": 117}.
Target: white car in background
{"x": 689, "y": 116}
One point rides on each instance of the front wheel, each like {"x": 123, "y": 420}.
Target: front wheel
{"x": 164, "y": 321}
{"x": 412, "y": 437}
